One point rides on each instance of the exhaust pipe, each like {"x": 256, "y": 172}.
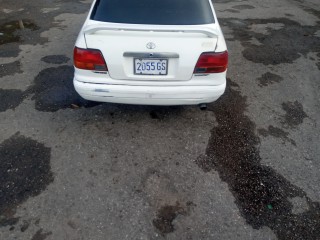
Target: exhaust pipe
{"x": 203, "y": 106}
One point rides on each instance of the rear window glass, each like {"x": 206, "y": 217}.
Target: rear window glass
{"x": 160, "y": 12}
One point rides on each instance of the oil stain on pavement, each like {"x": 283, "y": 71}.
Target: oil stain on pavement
{"x": 25, "y": 172}
{"x": 165, "y": 217}
{"x": 53, "y": 90}
{"x": 40, "y": 235}
{"x": 55, "y": 59}
{"x": 294, "y": 114}
{"x": 262, "y": 195}
{"x": 10, "y": 99}
{"x": 277, "y": 133}
{"x": 10, "y": 68}
{"x": 268, "y": 79}
{"x": 25, "y": 225}
{"x": 277, "y": 46}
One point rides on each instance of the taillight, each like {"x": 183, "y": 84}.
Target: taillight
{"x": 211, "y": 62}
{"x": 89, "y": 59}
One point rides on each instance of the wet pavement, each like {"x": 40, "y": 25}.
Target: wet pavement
{"x": 246, "y": 168}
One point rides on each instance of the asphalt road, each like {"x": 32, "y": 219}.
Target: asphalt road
{"x": 247, "y": 168}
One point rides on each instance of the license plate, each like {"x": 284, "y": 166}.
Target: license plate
{"x": 150, "y": 66}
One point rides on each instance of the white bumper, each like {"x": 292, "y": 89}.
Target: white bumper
{"x": 149, "y": 95}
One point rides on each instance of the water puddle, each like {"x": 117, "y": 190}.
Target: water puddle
{"x": 9, "y": 31}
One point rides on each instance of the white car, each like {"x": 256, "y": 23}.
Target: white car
{"x": 151, "y": 52}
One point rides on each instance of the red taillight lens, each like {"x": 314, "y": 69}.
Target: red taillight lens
{"x": 89, "y": 59}
{"x": 212, "y": 62}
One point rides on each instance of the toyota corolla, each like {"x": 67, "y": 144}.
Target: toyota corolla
{"x": 151, "y": 52}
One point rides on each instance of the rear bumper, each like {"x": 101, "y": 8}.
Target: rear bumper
{"x": 149, "y": 95}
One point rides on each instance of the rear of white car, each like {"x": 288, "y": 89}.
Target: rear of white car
{"x": 168, "y": 52}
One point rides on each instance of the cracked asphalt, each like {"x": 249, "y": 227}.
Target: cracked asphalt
{"x": 246, "y": 168}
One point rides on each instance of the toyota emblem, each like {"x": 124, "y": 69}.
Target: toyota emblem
{"x": 151, "y": 45}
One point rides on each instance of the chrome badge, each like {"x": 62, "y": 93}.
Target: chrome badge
{"x": 151, "y": 45}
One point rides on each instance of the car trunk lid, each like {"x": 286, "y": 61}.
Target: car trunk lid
{"x": 179, "y": 46}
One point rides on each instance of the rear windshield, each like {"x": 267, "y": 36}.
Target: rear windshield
{"x": 160, "y": 12}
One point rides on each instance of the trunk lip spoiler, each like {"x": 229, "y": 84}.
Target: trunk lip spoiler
{"x": 90, "y": 29}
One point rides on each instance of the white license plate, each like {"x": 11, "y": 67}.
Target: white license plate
{"x": 150, "y": 66}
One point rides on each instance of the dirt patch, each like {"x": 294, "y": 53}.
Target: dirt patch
{"x": 165, "y": 217}
{"x": 283, "y": 45}
{"x": 53, "y": 90}
{"x": 40, "y": 235}
{"x": 10, "y": 99}
{"x": 55, "y": 59}
{"x": 294, "y": 114}
{"x": 268, "y": 79}
{"x": 260, "y": 192}
{"x": 10, "y": 69}
{"x": 24, "y": 172}
{"x": 277, "y": 133}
